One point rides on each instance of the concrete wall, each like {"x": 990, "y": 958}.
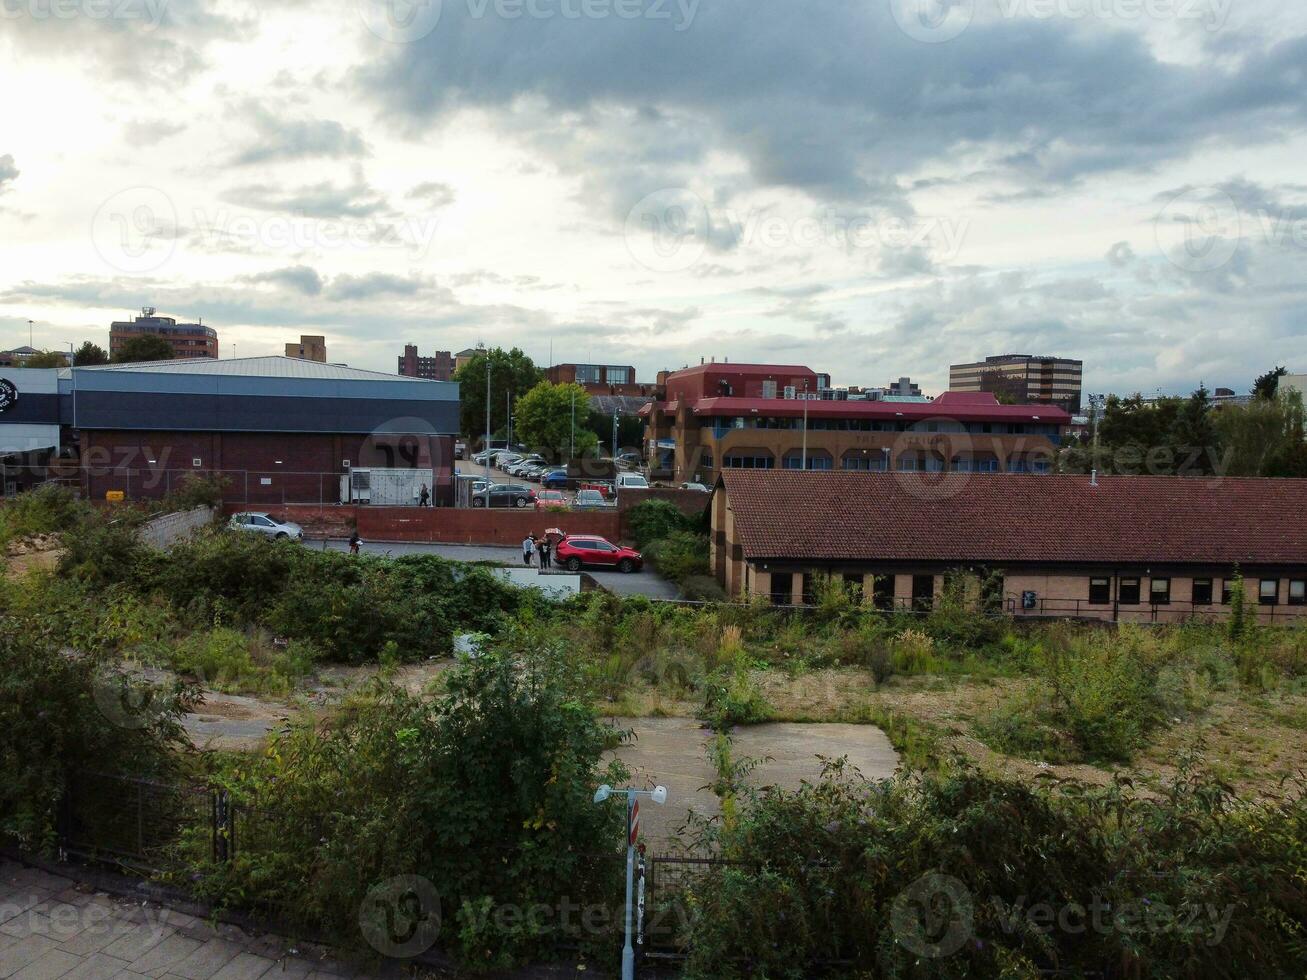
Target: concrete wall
{"x": 163, "y": 531}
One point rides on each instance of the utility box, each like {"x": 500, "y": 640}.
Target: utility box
{"x": 385, "y": 487}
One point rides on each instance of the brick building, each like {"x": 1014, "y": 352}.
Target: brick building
{"x": 310, "y": 348}
{"x": 186, "y": 339}
{"x": 601, "y": 379}
{"x": 721, "y": 416}
{"x": 279, "y": 429}
{"x": 438, "y": 368}
{"x": 1121, "y": 548}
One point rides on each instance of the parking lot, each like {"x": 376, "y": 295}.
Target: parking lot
{"x": 466, "y": 467}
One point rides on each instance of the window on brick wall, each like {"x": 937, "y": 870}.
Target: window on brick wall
{"x": 1268, "y": 592}
{"x": 1129, "y": 592}
{"x": 1202, "y": 593}
{"x": 1159, "y": 591}
{"x": 1100, "y": 591}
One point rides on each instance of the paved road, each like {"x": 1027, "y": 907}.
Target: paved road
{"x": 637, "y": 583}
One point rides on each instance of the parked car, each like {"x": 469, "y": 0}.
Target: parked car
{"x": 630, "y": 459}
{"x": 554, "y": 479}
{"x": 505, "y": 458}
{"x": 264, "y": 524}
{"x": 578, "y": 550}
{"x": 505, "y": 495}
{"x": 480, "y": 457}
{"x": 517, "y": 468}
{"x": 702, "y": 488}
{"x": 550, "y": 498}
{"x": 591, "y": 500}
{"x": 631, "y": 481}
{"x": 605, "y": 490}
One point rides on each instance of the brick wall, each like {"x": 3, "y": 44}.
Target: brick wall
{"x": 451, "y": 525}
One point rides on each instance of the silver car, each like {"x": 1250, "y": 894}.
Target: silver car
{"x": 264, "y": 524}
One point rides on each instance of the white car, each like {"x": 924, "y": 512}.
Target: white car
{"x": 702, "y": 488}
{"x": 263, "y": 524}
{"x": 631, "y": 481}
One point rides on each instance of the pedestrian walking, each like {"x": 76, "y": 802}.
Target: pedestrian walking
{"x": 546, "y": 549}
{"x": 424, "y": 497}
{"x": 354, "y": 542}
{"x": 528, "y": 549}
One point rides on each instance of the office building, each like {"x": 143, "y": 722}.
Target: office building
{"x": 187, "y": 340}
{"x": 1023, "y": 379}
{"x": 721, "y": 416}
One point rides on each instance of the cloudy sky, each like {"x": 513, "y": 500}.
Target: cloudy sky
{"x": 870, "y": 187}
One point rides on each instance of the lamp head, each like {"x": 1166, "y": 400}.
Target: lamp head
{"x": 659, "y": 795}
{"x": 603, "y": 792}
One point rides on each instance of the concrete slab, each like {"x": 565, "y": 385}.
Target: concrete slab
{"x": 674, "y": 752}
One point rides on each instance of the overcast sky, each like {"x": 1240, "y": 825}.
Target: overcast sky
{"x": 873, "y": 188}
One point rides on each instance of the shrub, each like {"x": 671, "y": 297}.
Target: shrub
{"x": 47, "y": 509}
{"x": 62, "y": 714}
{"x": 679, "y": 556}
{"x": 486, "y": 792}
{"x": 965, "y": 875}
{"x": 703, "y": 588}
{"x": 733, "y": 697}
{"x": 197, "y": 491}
{"x": 913, "y": 652}
{"x": 651, "y": 520}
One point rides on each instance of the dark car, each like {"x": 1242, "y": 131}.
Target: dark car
{"x": 555, "y": 479}
{"x": 578, "y": 550}
{"x": 505, "y": 495}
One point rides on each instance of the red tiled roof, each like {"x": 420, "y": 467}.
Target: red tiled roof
{"x": 957, "y": 406}
{"x": 995, "y": 517}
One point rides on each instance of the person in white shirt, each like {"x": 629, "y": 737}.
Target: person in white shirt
{"x": 528, "y": 549}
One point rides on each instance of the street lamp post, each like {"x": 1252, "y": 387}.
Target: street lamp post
{"x": 659, "y": 795}
{"x": 483, "y": 350}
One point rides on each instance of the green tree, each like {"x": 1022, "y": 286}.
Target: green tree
{"x": 1263, "y": 438}
{"x": 511, "y": 373}
{"x": 89, "y": 354}
{"x": 1268, "y": 384}
{"x": 144, "y": 347}
{"x": 47, "y": 359}
{"x": 544, "y": 418}
{"x": 1193, "y": 435}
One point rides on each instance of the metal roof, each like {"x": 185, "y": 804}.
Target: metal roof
{"x": 274, "y": 366}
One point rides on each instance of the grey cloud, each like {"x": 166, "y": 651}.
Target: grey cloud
{"x": 322, "y": 200}
{"x": 8, "y": 172}
{"x": 299, "y": 277}
{"x": 372, "y": 285}
{"x": 278, "y": 137}
{"x": 833, "y": 99}
{"x": 432, "y": 193}
{"x": 147, "y": 132}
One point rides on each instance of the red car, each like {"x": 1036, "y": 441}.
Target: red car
{"x": 550, "y": 498}
{"x": 577, "y": 550}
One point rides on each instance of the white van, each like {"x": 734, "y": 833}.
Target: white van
{"x": 631, "y": 481}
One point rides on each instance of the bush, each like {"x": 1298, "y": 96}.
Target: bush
{"x": 63, "y": 714}
{"x": 486, "y": 792}
{"x": 651, "y": 520}
{"x": 703, "y": 588}
{"x": 733, "y": 697}
{"x": 680, "y": 556}
{"x": 966, "y": 875}
{"x": 47, "y": 509}
{"x": 197, "y": 491}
